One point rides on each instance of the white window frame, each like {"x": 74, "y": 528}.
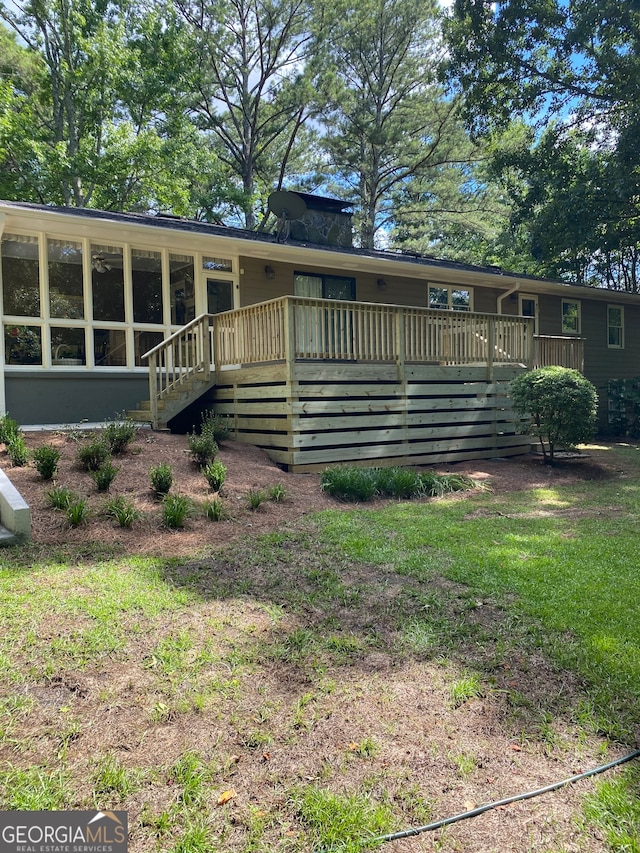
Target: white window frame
{"x": 577, "y": 303}
{"x": 610, "y": 327}
{"x": 450, "y": 288}
{"x": 529, "y": 297}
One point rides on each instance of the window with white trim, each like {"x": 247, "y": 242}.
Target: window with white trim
{"x": 615, "y": 326}
{"x": 570, "y": 317}
{"x": 445, "y": 296}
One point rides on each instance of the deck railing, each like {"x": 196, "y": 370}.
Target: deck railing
{"x": 303, "y": 328}
{"x": 296, "y": 327}
{"x": 174, "y": 362}
{"x": 567, "y": 352}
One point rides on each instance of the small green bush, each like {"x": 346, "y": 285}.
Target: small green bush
{"x": 118, "y": 435}
{"x": 215, "y": 474}
{"x": 562, "y": 405}
{"x": 77, "y": 512}
{"x": 45, "y": 459}
{"x": 175, "y": 510}
{"x": 8, "y": 429}
{"x": 94, "y": 454}
{"x": 216, "y": 426}
{"x": 60, "y": 497}
{"x": 161, "y": 478}
{"x": 122, "y": 510}
{"x": 203, "y": 448}
{"x": 215, "y": 510}
{"x": 398, "y": 482}
{"x": 17, "y": 450}
{"x": 105, "y": 475}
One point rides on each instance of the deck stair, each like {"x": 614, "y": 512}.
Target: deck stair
{"x": 180, "y": 372}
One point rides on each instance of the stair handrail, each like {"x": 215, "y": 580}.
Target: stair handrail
{"x": 171, "y": 363}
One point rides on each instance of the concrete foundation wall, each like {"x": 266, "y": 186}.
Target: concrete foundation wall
{"x": 32, "y": 398}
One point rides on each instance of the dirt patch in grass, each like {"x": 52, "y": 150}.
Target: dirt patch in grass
{"x": 287, "y": 667}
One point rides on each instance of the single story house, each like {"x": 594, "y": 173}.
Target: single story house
{"x": 320, "y": 352}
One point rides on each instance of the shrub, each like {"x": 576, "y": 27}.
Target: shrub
{"x": 46, "y": 458}
{"x": 215, "y": 474}
{"x": 203, "y": 448}
{"x": 215, "y": 510}
{"x": 161, "y": 478}
{"x": 175, "y": 509}
{"x": 562, "y": 405}
{"x": 216, "y": 426}
{"x": 118, "y": 435}
{"x": 105, "y": 475}
{"x": 398, "y": 482}
{"x": 122, "y": 510}
{"x": 94, "y": 454}
{"x": 8, "y": 429}
{"x": 17, "y": 450}
{"x": 60, "y": 498}
{"x": 77, "y": 512}
{"x": 349, "y": 483}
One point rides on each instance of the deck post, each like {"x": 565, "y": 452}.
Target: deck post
{"x": 206, "y": 345}
{"x": 153, "y": 389}
{"x": 401, "y": 355}
{"x": 491, "y": 345}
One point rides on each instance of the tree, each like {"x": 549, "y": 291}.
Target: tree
{"x": 90, "y": 112}
{"x": 574, "y": 69}
{"x": 250, "y": 89}
{"x": 386, "y": 121}
{"x": 562, "y": 405}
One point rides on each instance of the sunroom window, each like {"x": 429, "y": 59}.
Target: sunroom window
{"x": 66, "y": 297}
{"x": 107, "y": 283}
{"x": 21, "y": 275}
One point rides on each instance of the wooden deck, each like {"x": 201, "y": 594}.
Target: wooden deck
{"x": 319, "y": 382}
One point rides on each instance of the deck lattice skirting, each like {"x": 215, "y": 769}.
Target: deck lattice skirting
{"x": 318, "y": 414}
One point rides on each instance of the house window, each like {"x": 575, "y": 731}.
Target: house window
{"x": 324, "y": 286}
{"x": 66, "y": 297}
{"x": 570, "y": 317}
{"x": 21, "y": 276}
{"x": 448, "y": 297}
{"x": 615, "y": 326}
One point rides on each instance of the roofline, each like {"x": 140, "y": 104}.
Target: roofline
{"x": 379, "y": 261}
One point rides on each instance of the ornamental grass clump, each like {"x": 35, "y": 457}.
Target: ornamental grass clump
{"x": 122, "y": 510}
{"x": 77, "y": 512}
{"x": 175, "y": 510}
{"x": 45, "y": 459}
{"x": 60, "y": 497}
{"x": 349, "y": 483}
{"x": 215, "y": 510}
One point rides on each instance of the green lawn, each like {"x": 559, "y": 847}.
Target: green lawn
{"x": 269, "y": 674}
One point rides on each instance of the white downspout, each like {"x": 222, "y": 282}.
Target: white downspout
{"x": 515, "y": 287}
